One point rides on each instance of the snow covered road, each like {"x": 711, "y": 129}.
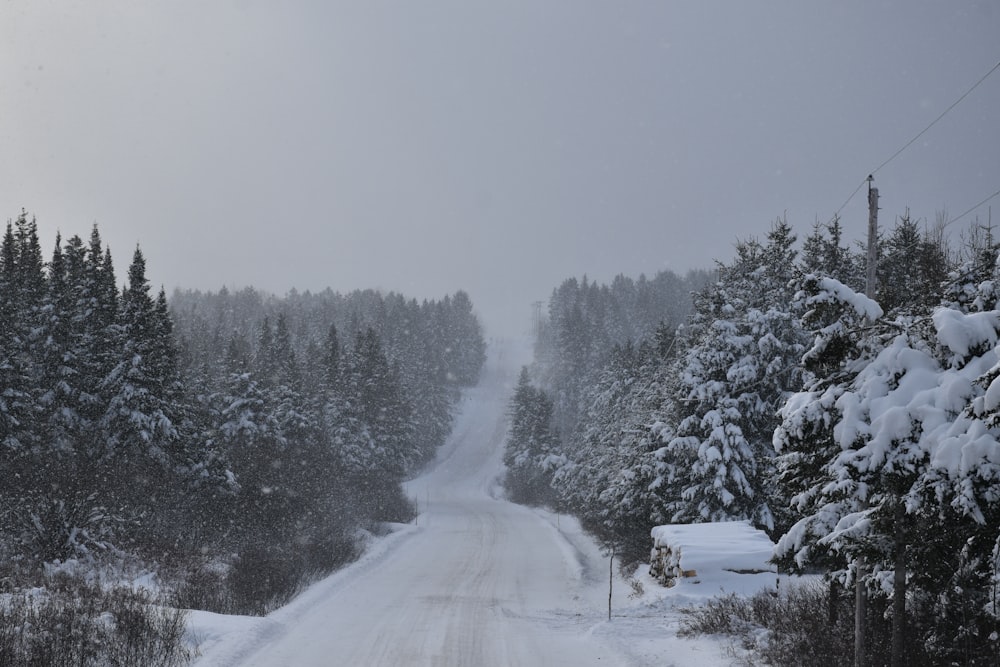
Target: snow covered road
{"x": 478, "y": 581}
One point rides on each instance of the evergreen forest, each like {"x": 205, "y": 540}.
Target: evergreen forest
{"x": 235, "y": 443}
{"x": 860, "y": 431}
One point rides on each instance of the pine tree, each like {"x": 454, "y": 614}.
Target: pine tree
{"x": 22, "y": 291}
{"x": 347, "y": 424}
{"x": 56, "y": 512}
{"x": 333, "y": 369}
{"x": 529, "y": 445}
{"x": 465, "y": 349}
{"x": 375, "y": 400}
{"x": 16, "y": 418}
{"x": 137, "y": 419}
{"x": 733, "y": 377}
{"x": 144, "y": 456}
{"x": 250, "y": 438}
{"x": 30, "y": 265}
{"x": 265, "y": 365}
{"x": 893, "y": 461}
{"x": 57, "y": 355}
{"x": 822, "y": 254}
{"x": 614, "y": 482}
{"x": 912, "y": 268}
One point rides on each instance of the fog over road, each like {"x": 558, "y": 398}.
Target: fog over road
{"x": 478, "y": 581}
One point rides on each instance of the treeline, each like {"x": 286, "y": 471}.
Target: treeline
{"x": 860, "y": 432}
{"x": 238, "y": 437}
{"x": 590, "y": 329}
{"x": 315, "y": 345}
{"x": 587, "y": 321}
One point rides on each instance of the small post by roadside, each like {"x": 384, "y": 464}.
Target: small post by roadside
{"x": 611, "y": 578}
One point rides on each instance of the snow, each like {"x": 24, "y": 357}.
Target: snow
{"x": 832, "y": 289}
{"x": 712, "y": 549}
{"x": 963, "y": 332}
{"x": 476, "y": 580}
{"x": 922, "y": 411}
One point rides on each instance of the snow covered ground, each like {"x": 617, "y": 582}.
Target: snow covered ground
{"x": 476, "y": 581}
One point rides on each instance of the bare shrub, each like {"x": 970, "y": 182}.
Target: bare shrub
{"x": 86, "y": 626}
{"x": 203, "y": 587}
{"x": 797, "y": 626}
{"x": 729, "y": 614}
{"x": 261, "y": 579}
{"x": 638, "y": 590}
{"x": 331, "y": 552}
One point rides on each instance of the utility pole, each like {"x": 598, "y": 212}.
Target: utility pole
{"x": 872, "y": 260}
{"x": 861, "y": 569}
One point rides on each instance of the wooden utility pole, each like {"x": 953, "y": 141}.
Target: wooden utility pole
{"x": 872, "y": 261}
{"x": 861, "y": 570}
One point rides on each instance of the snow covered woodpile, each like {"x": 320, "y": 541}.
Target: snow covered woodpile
{"x": 699, "y": 549}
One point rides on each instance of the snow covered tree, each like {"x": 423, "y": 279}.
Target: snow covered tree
{"x": 54, "y": 477}
{"x": 31, "y": 285}
{"x": 58, "y": 361}
{"x": 424, "y": 380}
{"x": 602, "y": 359}
{"x": 149, "y": 454}
{"x": 465, "y": 349}
{"x": 332, "y": 362}
{"x": 15, "y": 381}
{"x": 586, "y": 320}
{"x": 530, "y": 444}
{"x": 823, "y": 254}
{"x": 375, "y": 401}
{"x": 911, "y": 269}
{"x": 18, "y": 435}
{"x": 971, "y": 286}
{"x": 732, "y": 379}
{"x": 891, "y": 459}
{"x": 138, "y": 418}
{"x": 615, "y": 479}
{"x": 25, "y": 289}
{"x": 250, "y": 437}
{"x": 96, "y": 321}
{"x": 124, "y": 426}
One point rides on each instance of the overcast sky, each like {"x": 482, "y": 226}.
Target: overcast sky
{"x": 497, "y": 147}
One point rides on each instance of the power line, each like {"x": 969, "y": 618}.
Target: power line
{"x": 942, "y": 115}
{"x": 961, "y": 215}
{"x": 917, "y": 136}
{"x": 970, "y": 210}
{"x": 848, "y": 200}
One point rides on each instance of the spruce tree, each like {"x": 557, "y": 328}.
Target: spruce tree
{"x": 529, "y": 444}
{"x": 732, "y": 379}
{"x": 375, "y": 400}
{"x": 911, "y": 270}
{"x": 144, "y": 456}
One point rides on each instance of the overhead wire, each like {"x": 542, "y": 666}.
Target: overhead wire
{"x": 848, "y": 200}
{"x": 917, "y": 136}
{"x": 971, "y": 209}
{"x": 934, "y": 122}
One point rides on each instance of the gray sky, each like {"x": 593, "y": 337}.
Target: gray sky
{"x": 497, "y": 147}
